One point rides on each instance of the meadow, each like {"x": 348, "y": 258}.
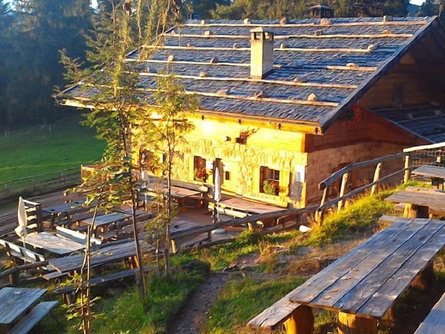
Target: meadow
{"x": 37, "y": 150}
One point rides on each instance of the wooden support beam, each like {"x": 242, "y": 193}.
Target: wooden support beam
{"x": 425, "y": 279}
{"x": 354, "y": 324}
{"x": 308, "y": 25}
{"x": 377, "y": 171}
{"x": 294, "y": 36}
{"x": 319, "y": 213}
{"x": 300, "y": 322}
{"x": 407, "y": 175}
{"x": 265, "y": 81}
{"x": 343, "y": 187}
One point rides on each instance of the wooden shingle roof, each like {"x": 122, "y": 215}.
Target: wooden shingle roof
{"x": 426, "y": 121}
{"x": 336, "y": 60}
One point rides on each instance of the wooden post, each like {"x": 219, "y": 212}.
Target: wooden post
{"x": 407, "y": 174}
{"x": 319, "y": 214}
{"x": 354, "y": 324}
{"x": 376, "y": 177}
{"x": 300, "y": 322}
{"x": 425, "y": 279}
{"x": 415, "y": 211}
{"x": 174, "y": 246}
{"x": 344, "y": 184}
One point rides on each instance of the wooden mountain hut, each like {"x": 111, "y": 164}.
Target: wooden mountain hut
{"x": 283, "y": 104}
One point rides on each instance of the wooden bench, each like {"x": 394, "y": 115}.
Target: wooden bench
{"x": 20, "y": 252}
{"x": 33, "y": 317}
{"x": 280, "y": 313}
{"x": 33, "y": 215}
{"x": 69, "y": 292}
{"x": 434, "y": 323}
{"x": 75, "y": 236}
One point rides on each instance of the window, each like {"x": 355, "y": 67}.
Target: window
{"x": 199, "y": 169}
{"x": 269, "y": 181}
{"x": 227, "y": 175}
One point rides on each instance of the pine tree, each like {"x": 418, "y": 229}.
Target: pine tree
{"x": 41, "y": 28}
{"x": 429, "y": 8}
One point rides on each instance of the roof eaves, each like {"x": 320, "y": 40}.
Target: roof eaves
{"x": 363, "y": 88}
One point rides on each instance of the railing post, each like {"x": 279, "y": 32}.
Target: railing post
{"x": 376, "y": 177}
{"x": 319, "y": 213}
{"x": 407, "y": 174}
{"x": 344, "y": 184}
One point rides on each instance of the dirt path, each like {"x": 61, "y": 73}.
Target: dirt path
{"x": 194, "y": 313}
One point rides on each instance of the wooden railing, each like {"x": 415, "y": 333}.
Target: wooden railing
{"x": 412, "y": 157}
{"x": 39, "y": 184}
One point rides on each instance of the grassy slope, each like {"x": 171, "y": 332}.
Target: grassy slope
{"x": 34, "y": 151}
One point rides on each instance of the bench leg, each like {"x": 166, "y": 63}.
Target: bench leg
{"x": 353, "y": 324}
{"x": 300, "y": 322}
{"x": 425, "y": 280}
{"x": 415, "y": 211}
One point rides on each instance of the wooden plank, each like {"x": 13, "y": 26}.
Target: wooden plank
{"x": 75, "y": 236}
{"x": 53, "y": 243}
{"x": 325, "y": 278}
{"x": 430, "y": 171}
{"x": 15, "y": 301}
{"x": 111, "y": 253}
{"x": 247, "y": 206}
{"x": 107, "y": 219}
{"x": 237, "y": 221}
{"x": 434, "y": 200}
{"x": 33, "y": 317}
{"x": 378, "y": 304}
{"x": 360, "y": 293}
{"x": 275, "y": 315}
{"x": 347, "y": 280}
{"x": 434, "y": 323}
{"x": 20, "y": 252}
{"x": 334, "y": 177}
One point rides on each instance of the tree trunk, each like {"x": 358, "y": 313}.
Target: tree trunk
{"x": 126, "y": 133}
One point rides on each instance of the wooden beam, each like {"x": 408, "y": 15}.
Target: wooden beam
{"x": 354, "y": 324}
{"x": 256, "y": 99}
{"x": 265, "y": 81}
{"x": 315, "y": 50}
{"x": 294, "y": 36}
{"x": 277, "y": 66}
{"x": 297, "y": 25}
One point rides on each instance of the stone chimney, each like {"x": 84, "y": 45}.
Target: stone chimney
{"x": 261, "y": 53}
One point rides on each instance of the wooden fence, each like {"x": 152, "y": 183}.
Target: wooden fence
{"x": 409, "y": 159}
{"x": 412, "y": 158}
{"x": 39, "y": 184}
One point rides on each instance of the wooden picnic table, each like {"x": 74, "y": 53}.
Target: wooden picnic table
{"x": 52, "y": 243}
{"x": 112, "y": 252}
{"x": 363, "y": 284}
{"x": 107, "y": 219}
{"x": 241, "y": 208}
{"x": 420, "y": 203}
{"x": 16, "y": 301}
{"x": 64, "y": 211}
{"x": 182, "y": 225}
{"x": 179, "y": 192}
{"x": 436, "y": 173}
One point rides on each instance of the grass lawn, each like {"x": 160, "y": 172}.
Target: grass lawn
{"x": 34, "y": 151}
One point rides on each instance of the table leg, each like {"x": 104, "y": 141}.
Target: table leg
{"x": 354, "y": 324}
{"x": 437, "y": 183}
{"x": 425, "y": 279}
{"x": 300, "y": 322}
{"x": 416, "y": 211}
